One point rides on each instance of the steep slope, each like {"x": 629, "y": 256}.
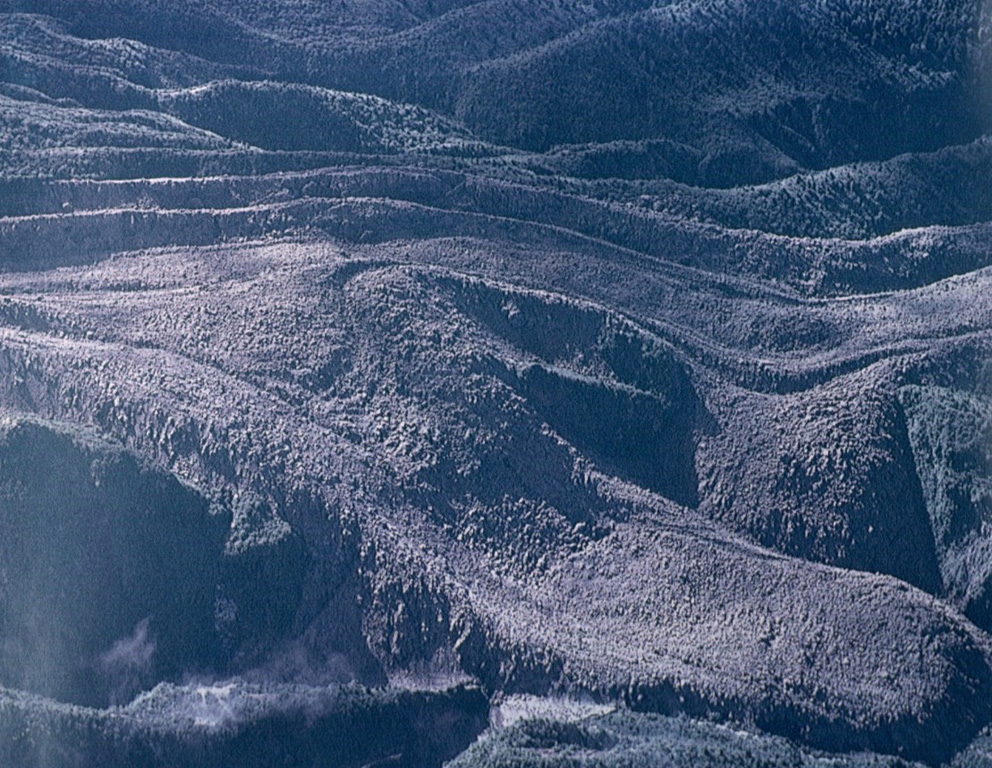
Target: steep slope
{"x": 948, "y": 430}
{"x": 429, "y": 411}
{"x": 84, "y": 528}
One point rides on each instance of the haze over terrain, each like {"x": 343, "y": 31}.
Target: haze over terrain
{"x": 367, "y": 367}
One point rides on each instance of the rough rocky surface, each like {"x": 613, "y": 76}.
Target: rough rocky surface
{"x": 635, "y": 351}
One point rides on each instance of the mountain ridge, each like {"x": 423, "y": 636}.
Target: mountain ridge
{"x": 661, "y": 382}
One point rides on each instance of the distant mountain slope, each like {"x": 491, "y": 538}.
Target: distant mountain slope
{"x": 723, "y": 76}
{"x": 950, "y": 186}
{"x": 758, "y": 88}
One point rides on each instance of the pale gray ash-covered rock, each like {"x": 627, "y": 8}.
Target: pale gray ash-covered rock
{"x": 626, "y": 352}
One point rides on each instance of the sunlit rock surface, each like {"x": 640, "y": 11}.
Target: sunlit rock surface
{"x": 629, "y": 352}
